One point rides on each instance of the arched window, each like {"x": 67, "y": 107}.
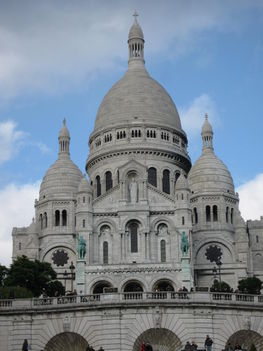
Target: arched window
{"x": 215, "y": 214}
{"x": 108, "y": 180}
{"x": 133, "y": 228}
{"x": 166, "y": 181}
{"x": 152, "y": 176}
{"x": 163, "y": 251}
{"x": 208, "y": 213}
{"x": 64, "y": 218}
{"x": 232, "y": 216}
{"x": 57, "y": 218}
{"x": 41, "y": 221}
{"x": 227, "y": 214}
{"x": 105, "y": 252}
{"x": 84, "y": 199}
{"x": 183, "y": 220}
{"x": 133, "y": 287}
{"x": 19, "y": 246}
{"x": 83, "y": 223}
{"x": 195, "y": 216}
{"x": 45, "y": 220}
{"x": 176, "y": 176}
{"x": 98, "y": 185}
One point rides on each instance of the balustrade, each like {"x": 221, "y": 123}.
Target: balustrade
{"x": 131, "y": 297}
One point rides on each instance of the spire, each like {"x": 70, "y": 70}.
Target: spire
{"x": 207, "y": 135}
{"x": 64, "y": 139}
{"x": 136, "y": 42}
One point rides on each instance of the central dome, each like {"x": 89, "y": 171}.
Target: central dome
{"x": 137, "y": 97}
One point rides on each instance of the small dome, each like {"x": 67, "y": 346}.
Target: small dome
{"x": 84, "y": 185}
{"x": 210, "y": 174}
{"x": 62, "y": 179}
{"x": 181, "y": 183}
{"x": 207, "y": 128}
{"x": 135, "y": 31}
{"x": 64, "y": 132}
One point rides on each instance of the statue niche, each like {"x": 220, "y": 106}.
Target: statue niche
{"x": 133, "y": 190}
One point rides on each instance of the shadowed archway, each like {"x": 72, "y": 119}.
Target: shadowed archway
{"x": 67, "y": 341}
{"x": 247, "y": 339}
{"x": 160, "y": 339}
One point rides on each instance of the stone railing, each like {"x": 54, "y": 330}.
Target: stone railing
{"x": 203, "y": 298}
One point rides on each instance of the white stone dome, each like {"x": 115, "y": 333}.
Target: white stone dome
{"x": 61, "y": 179}
{"x": 181, "y": 183}
{"x": 64, "y": 132}
{"x": 135, "y": 31}
{"x": 137, "y": 98}
{"x": 84, "y": 185}
{"x": 209, "y": 173}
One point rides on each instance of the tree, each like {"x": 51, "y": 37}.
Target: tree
{"x": 54, "y": 288}
{"x": 14, "y": 292}
{"x": 220, "y": 287}
{"x": 32, "y": 275}
{"x": 251, "y": 285}
{"x": 3, "y": 274}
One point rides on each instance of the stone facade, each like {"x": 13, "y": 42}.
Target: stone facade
{"x": 151, "y": 221}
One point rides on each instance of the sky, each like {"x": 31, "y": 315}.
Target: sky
{"x": 59, "y": 58}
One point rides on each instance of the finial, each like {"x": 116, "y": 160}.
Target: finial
{"x": 64, "y": 121}
{"x": 135, "y": 15}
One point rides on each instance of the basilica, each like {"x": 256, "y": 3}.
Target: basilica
{"x": 142, "y": 218}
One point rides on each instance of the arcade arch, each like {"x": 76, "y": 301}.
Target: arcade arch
{"x": 160, "y": 339}
{"x": 67, "y": 341}
{"x": 248, "y": 340}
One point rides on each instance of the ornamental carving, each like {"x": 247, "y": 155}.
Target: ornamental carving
{"x": 60, "y": 258}
{"x": 213, "y": 253}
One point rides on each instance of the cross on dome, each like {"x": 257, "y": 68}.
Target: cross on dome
{"x": 135, "y": 15}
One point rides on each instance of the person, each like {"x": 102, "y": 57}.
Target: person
{"x": 229, "y": 347}
{"x": 187, "y": 346}
{"x": 25, "y": 345}
{"x": 194, "y": 346}
{"x": 208, "y": 343}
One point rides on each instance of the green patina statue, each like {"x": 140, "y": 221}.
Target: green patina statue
{"x": 81, "y": 247}
{"x": 184, "y": 244}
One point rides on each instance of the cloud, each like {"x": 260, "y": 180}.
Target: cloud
{"x": 251, "y": 199}
{"x": 11, "y": 140}
{"x": 16, "y": 210}
{"x": 46, "y": 47}
{"x": 192, "y": 116}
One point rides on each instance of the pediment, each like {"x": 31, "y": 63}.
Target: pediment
{"x": 133, "y": 166}
{"x": 156, "y": 197}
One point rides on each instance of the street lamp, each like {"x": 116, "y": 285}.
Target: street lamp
{"x": 65, "y": 274}
{"x": 219, "y": 264}
{"x": 214, "y": 272}
{"x": 72, "y": 267}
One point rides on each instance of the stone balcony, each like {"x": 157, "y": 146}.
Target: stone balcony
{"x": 220, "y": 300}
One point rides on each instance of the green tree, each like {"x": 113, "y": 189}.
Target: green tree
{"x": 220, "y": 287}
{"x": 3, "y": 274}
{"x": 54, "y": 288}
{"x": 14, "y": 292}
{"x": 251, "y": 285}
{"x": 32, "y": 275}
